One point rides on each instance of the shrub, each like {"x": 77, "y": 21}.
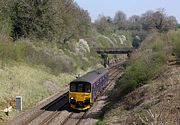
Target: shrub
{"x": 5, "y": 25}
{"x": 174, "y": 36}
{"x": 176, "y": 44}
{"x": 127, "y": 86}
{"x": 158, "y": 58}
{"x": 145, "y": 64}
{"x": 13, "y": 51}
{"x": 138, "y": 71}
{"x": 157, "y": 45}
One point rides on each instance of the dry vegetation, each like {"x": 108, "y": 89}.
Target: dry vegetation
{"x": 148, "y": 92}
{"x": 156, "y": 103}
{"x": 32, "y": 83}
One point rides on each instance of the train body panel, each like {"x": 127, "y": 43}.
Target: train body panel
{"x": 82, "y": 101}
{"x": 84, "y": 90}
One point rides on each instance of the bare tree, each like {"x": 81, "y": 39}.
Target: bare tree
{"x": 146, "y": 20}
{"x": 158, "y": 20}
{"x": 103, "y": 23}
{"x": 120, "y": 20}
{"x": 134, "y": 22}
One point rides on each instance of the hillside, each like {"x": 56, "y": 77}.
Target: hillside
{"x": 154, "y": 103}
{"x": 149, "y": 91}
{"x": 36, "y": 61}
{"x": 45, "y": 43}
{"x": 36, "y": 70}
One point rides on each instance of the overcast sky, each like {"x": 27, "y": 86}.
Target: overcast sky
{"x": 129, "y": 7}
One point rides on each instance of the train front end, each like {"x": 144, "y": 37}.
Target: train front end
{"x": 80, "y": 95}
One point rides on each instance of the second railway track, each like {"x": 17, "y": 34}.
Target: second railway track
{"x": 57, "y": 112}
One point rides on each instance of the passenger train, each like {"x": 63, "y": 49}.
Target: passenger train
{"x": 84, "y": 91}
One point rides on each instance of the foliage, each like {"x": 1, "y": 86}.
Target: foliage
{"x": 139, "y": 26}
{"x": 144, "y": 65}
{"x": 12, "y": 51}
{"x": 175, "y": 37}
{"x": 104, "y": 24}
{"x": 44, "y": 19}
{"x": 120, "y": 20}
{"x": 158, "y": 20}
{"x": 5, "y": 25}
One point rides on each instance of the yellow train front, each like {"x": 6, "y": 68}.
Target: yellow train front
{"x": 84, "y": 90}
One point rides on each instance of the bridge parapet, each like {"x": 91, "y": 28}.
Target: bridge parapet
{"x": 114, "y": 50}
{"x": 105, "y": 51}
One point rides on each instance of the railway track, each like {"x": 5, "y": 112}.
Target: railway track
{"x": 49, "y": 118}
{"x": 45, "y": 114}
{"x": 113, "y": 74}
{"x": 59, "y": 107}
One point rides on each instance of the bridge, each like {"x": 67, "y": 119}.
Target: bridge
{"x": 114, "y": 50}
{"x": 105, "y": 51}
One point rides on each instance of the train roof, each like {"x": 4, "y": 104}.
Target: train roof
{"x": 91, "y": 76}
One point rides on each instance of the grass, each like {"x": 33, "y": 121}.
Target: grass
{"x": 24, "y": 66}
{"x": 20, "y": 79}
{"x": 145, "y": 64}
{"x": 138, "y": 73}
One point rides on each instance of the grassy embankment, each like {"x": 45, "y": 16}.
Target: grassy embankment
{"x": 146, "y": 65}
{"x": 27, "y": 66}
{"x": 24, "y": 70}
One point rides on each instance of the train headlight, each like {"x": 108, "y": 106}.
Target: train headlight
{"x": 72, "y": 100}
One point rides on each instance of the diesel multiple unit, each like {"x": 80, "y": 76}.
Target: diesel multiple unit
{"x": 84, "y": 90}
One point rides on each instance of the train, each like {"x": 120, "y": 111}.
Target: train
{"x": 84, "y": 90}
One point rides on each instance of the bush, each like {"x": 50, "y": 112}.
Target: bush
{"x": 174, "y": 36}
{"x": 176, "y": 43}
{"x": 158, "y": 45}
{"x": 127, "y": 86}
{"x": 138, "y": 71}
{"x": 5, "y": 25}
{"x": 158, "y": 58}
{"x": 13, "y": 51}
{"x": 145, "y": 64}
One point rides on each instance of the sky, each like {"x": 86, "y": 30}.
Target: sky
{"x": 129, "y": 7}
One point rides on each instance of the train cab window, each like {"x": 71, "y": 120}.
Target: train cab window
{"x": 80, "y": 87}
{"x": 87, "y": 88}
{"x": 73, "y": 87}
